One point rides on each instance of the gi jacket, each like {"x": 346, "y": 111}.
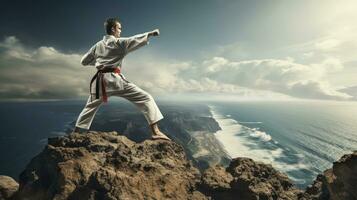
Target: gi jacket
{"x": 109, "y": 53}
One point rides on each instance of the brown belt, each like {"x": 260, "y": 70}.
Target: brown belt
{"x": 98, "y": 77}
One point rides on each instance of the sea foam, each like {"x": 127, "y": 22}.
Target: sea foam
{"x": 242, "y": 141}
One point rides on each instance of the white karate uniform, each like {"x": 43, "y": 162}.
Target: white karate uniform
{"x": 109, "y": 53}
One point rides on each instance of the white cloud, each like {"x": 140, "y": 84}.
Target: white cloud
{"x": 284, "y": 76}
{"x": 219, "y": 74}
{"x": 316, "y": 90}
{"x": 328, "y": 44}
{"x": 308, "y": 54}
{"x": 45, "y": 72}
{"x": 40, "y": 73}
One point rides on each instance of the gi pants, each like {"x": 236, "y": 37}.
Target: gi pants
{"x": 143, "y": 100}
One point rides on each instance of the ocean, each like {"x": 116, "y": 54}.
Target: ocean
{"x": 301, "y": 139}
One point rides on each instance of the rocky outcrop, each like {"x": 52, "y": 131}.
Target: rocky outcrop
{"x": 247, "y": 179}
{"x": 8, "y": 187}
{"x": 337, "y": 183}
{"x": 108, "y": 166}
{"x": 105, "y": 165}
{"x": 190, "y": 126}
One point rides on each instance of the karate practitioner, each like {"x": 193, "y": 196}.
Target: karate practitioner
{"x": 107, "y": 56}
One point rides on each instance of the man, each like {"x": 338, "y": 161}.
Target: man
{"x": 107, "y": 56}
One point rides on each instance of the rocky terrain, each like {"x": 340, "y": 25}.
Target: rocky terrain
{"x": 339, "y": 182}
{"x": 106, "y": 165}
{"x": 8, "y": 187}
{"x": 190, "y": 125}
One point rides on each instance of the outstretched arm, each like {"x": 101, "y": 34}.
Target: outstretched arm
{"x": 139, "y": 40}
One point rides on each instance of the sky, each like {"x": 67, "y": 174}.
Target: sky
{"x": 211, "y": 49}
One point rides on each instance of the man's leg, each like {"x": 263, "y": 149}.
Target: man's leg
{"x": 147, "y": 105}
{"x": 86, "y": 117}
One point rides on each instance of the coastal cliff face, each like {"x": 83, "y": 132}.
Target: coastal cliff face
{"x": 339, "y": 182}
{"x": 105, "y": 165}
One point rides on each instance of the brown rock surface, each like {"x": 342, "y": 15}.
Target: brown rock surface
{"x": 216, "y": 182}
{"x": 255, "y": 180}
{"x": 337, "y": 183}
{"x": 105, "y": 165}
{"x": 247, "y": 179}
{"x": 101, "y": 165}
{"x": 8, "y": 186}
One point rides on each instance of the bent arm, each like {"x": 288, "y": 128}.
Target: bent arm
{"x": 89, "y": 57}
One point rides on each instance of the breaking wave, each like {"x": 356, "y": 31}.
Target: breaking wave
{"x": 242, "y": 141}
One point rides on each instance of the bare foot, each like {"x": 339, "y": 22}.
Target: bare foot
{"x": 76, "y": 130}
{"x": 157, "y": 134}
{"x": 160, "y": 135}
{"x": 79, "y": 130}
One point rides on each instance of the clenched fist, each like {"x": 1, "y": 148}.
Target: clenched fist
{"x": 155, "y": 32}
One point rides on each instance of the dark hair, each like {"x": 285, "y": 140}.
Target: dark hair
{"x": 109, "y": 24}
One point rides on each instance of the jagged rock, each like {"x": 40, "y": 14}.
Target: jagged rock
{"x": 101, "y": 165}
{"x": 246, "y": 179}
{"x": 337, "y": 183}
{"x": 317, "y": 191}
{"x": 216, "y": 182}
{"x": 216, "y": 178}
{"x": 256, "y": 180}
{"x": 8, "y": 186}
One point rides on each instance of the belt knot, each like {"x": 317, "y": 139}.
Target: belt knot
{"x": 98, "y": 77}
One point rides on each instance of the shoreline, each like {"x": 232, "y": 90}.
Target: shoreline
{"x": 240, "y": 141}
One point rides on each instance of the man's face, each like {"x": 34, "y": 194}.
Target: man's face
{"x": 117, "y": 30}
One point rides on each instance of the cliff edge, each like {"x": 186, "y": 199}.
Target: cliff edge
{"x": 106, "y": 165}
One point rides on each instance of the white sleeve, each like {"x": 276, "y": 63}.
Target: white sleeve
{"x": 134, "y": 42}
{"x": 89, "y": 57}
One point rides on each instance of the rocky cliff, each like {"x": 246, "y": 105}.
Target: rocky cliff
{"x": 105, "y": 165}
{"x": 339, "y": 182}
{"x": 189, "y": 125}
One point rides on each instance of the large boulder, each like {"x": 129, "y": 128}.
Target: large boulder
{"x": 8, "y": 186}
{"x": 250, "y": 180}
{"x": 102, "y": 165}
